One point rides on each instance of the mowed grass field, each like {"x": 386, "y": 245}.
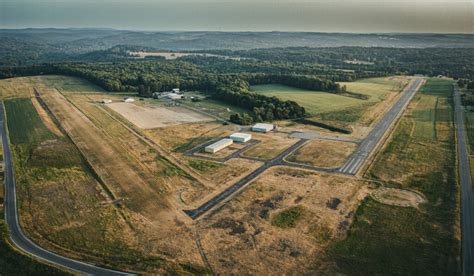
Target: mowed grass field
{"x": 333, "y": 107}
{"x": 21, "y": 130}
{"x": 313, "y": 101}
{"x": 421, "y": 156}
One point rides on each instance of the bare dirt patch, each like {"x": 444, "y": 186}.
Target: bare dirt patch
{"x": 323, "y": 153}
{"x": 152, "y": 117}
{"x": 239, "y": 237}
{"x": 398, "y": 197}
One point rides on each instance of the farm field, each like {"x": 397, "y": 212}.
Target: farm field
{"x": 323, "y": 153}
{"x": 421, "y": 158}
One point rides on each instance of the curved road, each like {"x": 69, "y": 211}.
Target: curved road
{"x": 16, "y": 234}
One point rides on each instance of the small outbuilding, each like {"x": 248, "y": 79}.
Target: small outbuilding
{"x": 217, "y": 146}
{"x": 106, "y": 101}
{"x": 240, "y": 137}
{"x": 262, "y": 127}
{"x": 176, "y": 90}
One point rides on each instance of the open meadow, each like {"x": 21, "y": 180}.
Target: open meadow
{"x": 336, "y": 109}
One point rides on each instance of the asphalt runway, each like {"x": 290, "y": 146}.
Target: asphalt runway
{"x": 370, "y": 143}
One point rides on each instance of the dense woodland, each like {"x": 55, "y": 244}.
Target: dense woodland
{"x": 228, "y": 80}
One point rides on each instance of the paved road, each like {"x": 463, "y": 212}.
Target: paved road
{"x": 467, "y": 204}
{"x": 370, "y": 143}
{"x": 195, "y": 213}
{"x": 16, "y": 234}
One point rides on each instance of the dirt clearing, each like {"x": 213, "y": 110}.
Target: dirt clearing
{"x": 397, "y": 197}
{"x": 152, "y": 117}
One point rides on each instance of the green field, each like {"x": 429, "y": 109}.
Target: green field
{"x": 407, "y": 241}
{"x": 314, "y": 102}
{"x": 331, "y": 107}
{"x": 24, "y": 124}
{"x": 376, "y": 88}
{"x": 66, "y": 84}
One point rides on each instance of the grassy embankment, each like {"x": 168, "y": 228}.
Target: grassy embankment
{"x": 407, "y": 241}
{"x": 62, "y": 205}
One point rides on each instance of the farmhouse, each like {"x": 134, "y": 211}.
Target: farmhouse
{"x": 262, "y": 127}
{"x": 240, "y": 137}
{"x": 217, "y": 146}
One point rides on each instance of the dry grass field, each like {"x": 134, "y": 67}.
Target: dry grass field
{"x": 271, "y": 144}
{"x": 323, "y": 153}
{"x": 242, "y": 237}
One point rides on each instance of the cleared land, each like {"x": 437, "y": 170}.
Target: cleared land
{"x": 270, "y": 146}
{"x": 323, "y": 153}
{"x": 269, "y": 228}
{"x": 409, "y": 240}
{"x": 153, "y": 117}
{"x": 397, "y": 197}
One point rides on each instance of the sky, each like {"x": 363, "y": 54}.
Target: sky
{"x": 359, "y": 16}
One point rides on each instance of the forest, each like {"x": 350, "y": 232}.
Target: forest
{"x": 228, "y": 80}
